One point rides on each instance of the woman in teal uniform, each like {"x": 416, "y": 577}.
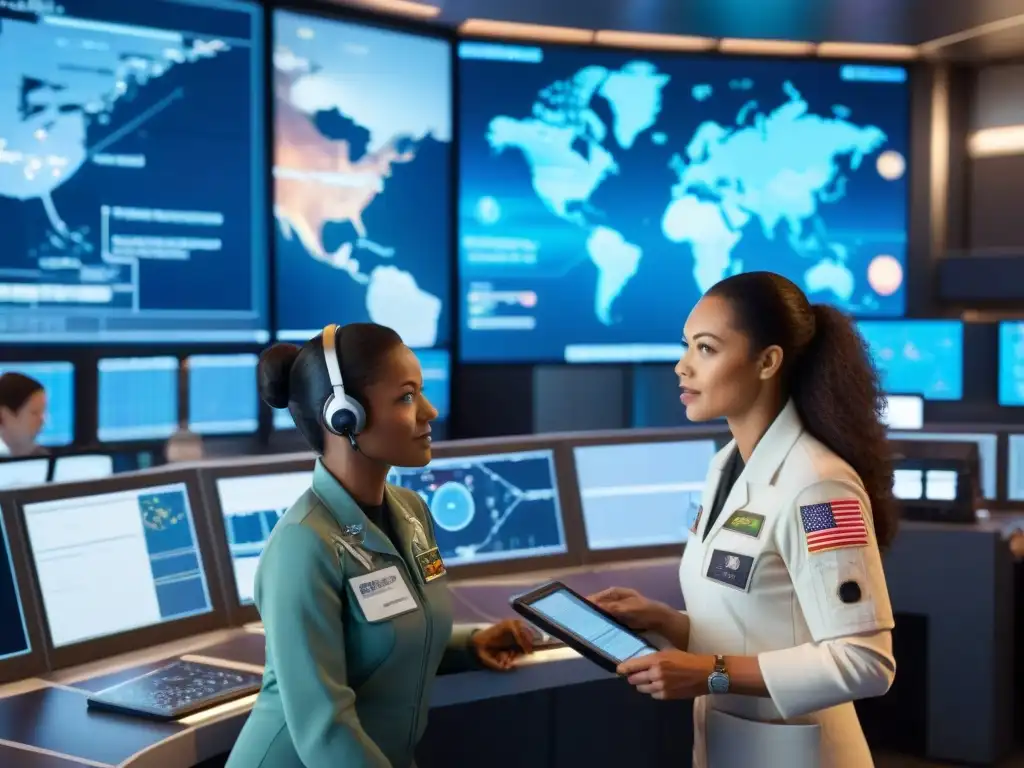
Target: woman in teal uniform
{"x": 351, "y": 587}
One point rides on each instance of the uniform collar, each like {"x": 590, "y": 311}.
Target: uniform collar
{"x": 774, "y": 446}
{"x": 357, "y": 527}
{"x": 771, "y": 450}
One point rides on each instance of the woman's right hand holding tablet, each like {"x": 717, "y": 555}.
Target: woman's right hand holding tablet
{"x": 632, "y": 609}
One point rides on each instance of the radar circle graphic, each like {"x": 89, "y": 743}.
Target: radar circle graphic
{"x": 453, "y": 507}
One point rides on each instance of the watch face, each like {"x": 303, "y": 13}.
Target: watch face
{"x": 718, "y": 682}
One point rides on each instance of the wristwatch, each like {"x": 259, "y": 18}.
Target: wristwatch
{"x": 718, "y": 680}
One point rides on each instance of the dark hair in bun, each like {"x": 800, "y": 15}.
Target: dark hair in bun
{"x": 275, "y": 372}
{"x": 296, "y": 378}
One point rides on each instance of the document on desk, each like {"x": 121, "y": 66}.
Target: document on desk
{"x": 733, "y": 742}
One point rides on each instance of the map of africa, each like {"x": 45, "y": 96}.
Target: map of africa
{"x": 355, "y": 166}
{"x": 767, "y": 167}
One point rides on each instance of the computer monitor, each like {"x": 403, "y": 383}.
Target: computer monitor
{"x": 58, "y": 378}
{"x": 245, "y": 501}
{"x": 641, "y": 496}
{"x": 18, "y": 473}
{"x": 904, "y": 412}
{"x": 1015, "y": 469}
{"x": 590, "y": 179}
{"x": 138, "y": 398}
{"x": 83, "y": 466}
{"x": 121, "y": 564}
{"x": 362, "y": 177}
{"x": 21, "y": 646}
{"x": 135, "y": 177}
{"x": 988, "y": 453}
{"x": 923, "y": 357}
{"x": 222, "y": 395}
{"x": 936, "y": 482}
{"x": 1011, "y": 363}
{"x": 494, "y": 511}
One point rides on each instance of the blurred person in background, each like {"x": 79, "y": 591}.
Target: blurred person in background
{"x": 22, "y": 415}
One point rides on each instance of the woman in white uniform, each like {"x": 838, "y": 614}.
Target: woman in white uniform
{"x": 787, "y": 618}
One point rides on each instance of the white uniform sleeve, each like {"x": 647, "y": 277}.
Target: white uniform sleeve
{"x": 828, "y": 543}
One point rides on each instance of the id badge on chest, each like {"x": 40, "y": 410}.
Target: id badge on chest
{"x": 383, "y": 594}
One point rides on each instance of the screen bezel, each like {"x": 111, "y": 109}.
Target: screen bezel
{"x": 719, "y": 435}
{"x": 144, "y": 637}
{"x": 568, "y": 500}
{"x": 239, "y": 613}
{"x": 523, "y": 605}
{"x": 35, "y": 661}
{"x": 912, "y": 76}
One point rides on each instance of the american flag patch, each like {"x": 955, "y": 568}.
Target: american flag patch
{"x": 696, "y": 520}
{"x": 834, "y": 524}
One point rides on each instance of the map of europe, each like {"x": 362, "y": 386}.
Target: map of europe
{"x": 355, "y": 163}
{"x": 774, "y": 168}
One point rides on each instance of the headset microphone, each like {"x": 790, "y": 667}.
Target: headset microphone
{"x": 342, "y": 415}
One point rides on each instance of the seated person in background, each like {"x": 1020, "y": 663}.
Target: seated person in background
{"x": 22, "y": 415}
{"x": 351, "y": 586}
{"x": 788, "y": 616}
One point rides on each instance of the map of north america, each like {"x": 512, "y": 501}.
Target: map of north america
{"x": 776, "y": 169}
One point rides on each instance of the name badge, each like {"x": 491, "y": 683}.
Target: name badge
{"x": 431, "y": 565}
{"x": 730, "y": 569}
{"x": 383, "y": 594}
{"x": 747, "y": 523}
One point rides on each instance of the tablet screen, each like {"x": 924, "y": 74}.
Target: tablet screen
{"x": 579, "y": 617}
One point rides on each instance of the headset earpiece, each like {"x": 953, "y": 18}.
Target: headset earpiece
{"x": 343, "y": 415}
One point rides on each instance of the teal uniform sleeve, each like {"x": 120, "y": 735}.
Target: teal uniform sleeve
{"x": 459, "y": 655}
{"x": 299, "y": 598}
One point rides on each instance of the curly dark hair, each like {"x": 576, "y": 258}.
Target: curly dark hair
{"x": 828, "y": 372}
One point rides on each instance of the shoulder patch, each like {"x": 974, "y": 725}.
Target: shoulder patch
{"x": 835, "y": 524}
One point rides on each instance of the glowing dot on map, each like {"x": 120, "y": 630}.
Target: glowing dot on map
{"x": 891, "y": 165}
{"x": 885, "y": 275}
{"x": 487, "y": 210}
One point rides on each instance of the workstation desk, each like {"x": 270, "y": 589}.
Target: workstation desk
{"x": 951, "y": 587}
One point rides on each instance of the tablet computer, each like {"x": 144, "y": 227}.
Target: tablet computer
{"x": 178, "y": 689}
{"x": 581, "y": 625}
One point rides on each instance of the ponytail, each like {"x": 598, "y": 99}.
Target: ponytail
{"x": 836, "y": 391}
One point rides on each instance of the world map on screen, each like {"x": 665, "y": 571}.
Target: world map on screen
{"x": 749, "y": 168}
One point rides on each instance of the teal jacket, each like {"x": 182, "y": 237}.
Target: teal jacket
{"x": 340, "y": 690}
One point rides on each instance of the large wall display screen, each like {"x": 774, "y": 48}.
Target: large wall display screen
{"x": 362, "y": 178}
{"x": 602, "y": 192}
{"x": 132, "y": 168}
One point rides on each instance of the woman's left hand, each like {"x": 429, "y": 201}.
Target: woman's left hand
{"x": 498, "y": 646}
{"x": 669, "y": 674}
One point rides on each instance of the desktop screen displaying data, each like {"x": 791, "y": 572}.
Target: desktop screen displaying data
{"x": 251, "y": 507}
{"x": 602, "y": 192}
{"x": 988, "y": 446}
{"x": 436, "y": 365}
{"x": 1011, "y": 363}
{"x": 641, "y": 494}
{"x": 488, "y": 508}
{"x": 222, "y": 394}
{"x": 115, "y": 562}
{"x": 138, "y": 398}
{"x": 135, "y": 171}
{"x": 918, "y": 357}
{"x": 1015, "y": 469}
{"x": 14, "y": 639}
{"x": 362, "y": 178}
{"x": 58, "y": 379}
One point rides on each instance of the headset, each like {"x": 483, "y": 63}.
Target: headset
{"x": 343, "y": 415}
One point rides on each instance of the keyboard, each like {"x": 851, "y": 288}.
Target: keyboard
{"x": 178, "y": 689}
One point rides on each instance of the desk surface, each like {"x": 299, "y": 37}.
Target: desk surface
{"x": 45, "y": 721}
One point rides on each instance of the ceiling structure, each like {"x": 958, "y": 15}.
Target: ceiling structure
{"x": 960, "y": 30}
